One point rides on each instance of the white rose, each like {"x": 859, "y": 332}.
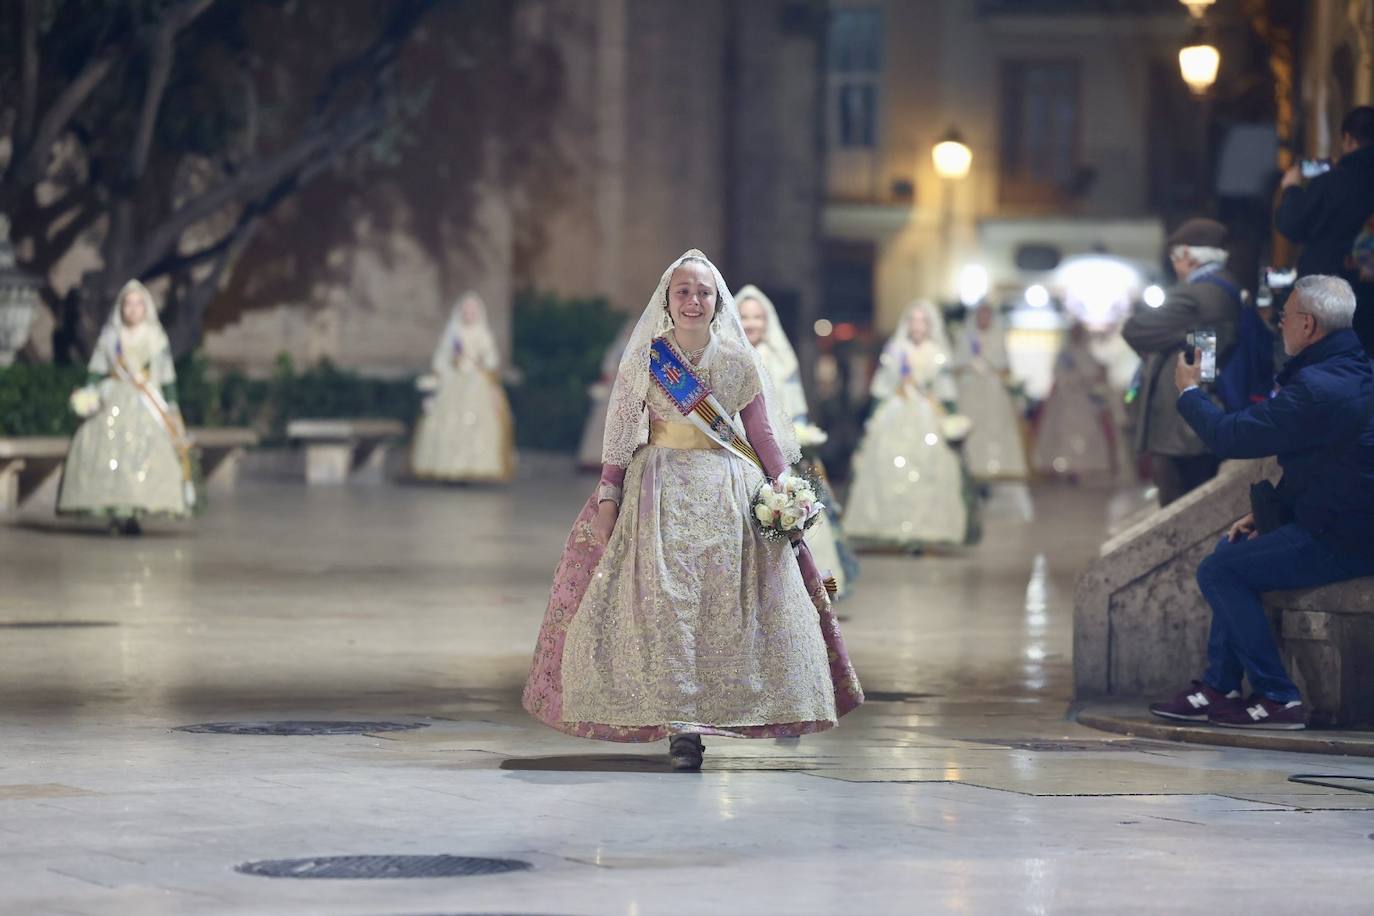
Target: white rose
{"x": 790, "y": 520}
{"x": 763, "y": 514}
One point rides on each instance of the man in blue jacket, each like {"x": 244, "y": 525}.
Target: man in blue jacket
{"x": 1319, "y": 424}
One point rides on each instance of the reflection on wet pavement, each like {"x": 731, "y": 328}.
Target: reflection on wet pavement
{"x": 961, "y": 785}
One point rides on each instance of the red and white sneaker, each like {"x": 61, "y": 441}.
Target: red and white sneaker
{"x": 1262, "y": 712}
{"x": 1196, "y": 703}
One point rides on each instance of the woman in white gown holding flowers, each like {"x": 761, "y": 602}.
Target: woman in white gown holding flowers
{"x": 672, "y": 615}
{"x": 465, "y": 433}
{"x": 909, "y": 486}
{"x": 763, "y": 329}
{"x": 131, "y": 457}
{"x": 996, "y": 445}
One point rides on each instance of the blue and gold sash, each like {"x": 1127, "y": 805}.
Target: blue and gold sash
{"x": 693, "y": 399}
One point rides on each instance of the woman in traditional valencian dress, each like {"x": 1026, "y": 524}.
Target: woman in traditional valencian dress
{"x": 671, "y": 615}
{"x": 910, "y": 489}
{"x": 1074, "y": 435}
{"x": 131, "y": 457}
{"x": 764, "y": 331}
{"x": 599, "y": 396}
{"x": 996, "y": 446}
{"x": 466, "y": 433}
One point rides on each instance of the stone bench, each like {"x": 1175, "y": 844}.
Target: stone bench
{"x": 337, "y": 451}
{"x": 1327, "y": 641}
{"x": 30, "y": 466}
{"x": 221, "y": 453}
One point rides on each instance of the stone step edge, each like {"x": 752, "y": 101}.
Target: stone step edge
{"x": 1308, "y": 741}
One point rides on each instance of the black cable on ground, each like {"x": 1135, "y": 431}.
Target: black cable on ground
{"x": 1317, "y": 779}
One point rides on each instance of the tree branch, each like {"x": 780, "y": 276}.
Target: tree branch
{"x": 28, "y": 70}
{"x": 29, "y": 164}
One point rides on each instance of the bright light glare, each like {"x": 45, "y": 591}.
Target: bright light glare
{"x": 1154, "y": 296}
{"x": 1098, "y": 289}
{"x": 952, "y": 159}
{"x": 1037, "y": 297}
{"x": 973, "y": 284}
{"x": 824, "y": 328}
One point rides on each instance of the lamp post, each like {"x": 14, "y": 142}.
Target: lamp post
{"x": 952, "y": 159}
{"x": 18, "y": 297}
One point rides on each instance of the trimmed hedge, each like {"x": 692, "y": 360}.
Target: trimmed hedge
{"x": 33, "y": 399}
{"x": 557, "y": 345}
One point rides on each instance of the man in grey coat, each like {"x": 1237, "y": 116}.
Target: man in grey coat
{"x": 1205, "y": 297}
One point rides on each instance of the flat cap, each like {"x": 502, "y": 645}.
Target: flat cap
{"x": 1201, "y": 232}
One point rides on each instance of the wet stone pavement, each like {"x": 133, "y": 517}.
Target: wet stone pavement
{"x": 961, "y": 786}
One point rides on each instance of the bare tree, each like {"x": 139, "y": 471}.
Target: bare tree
{"x": 164, "y": 133}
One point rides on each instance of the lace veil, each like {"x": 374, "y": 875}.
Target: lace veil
{"x": 627, "y": 423}
{"x": 888, "y": 378}
{"x": 476, "y": 338}
{"x": 146, "y": 343}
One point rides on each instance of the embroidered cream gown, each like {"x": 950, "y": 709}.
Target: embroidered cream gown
{"x": 908, "y": 482}
{"x": 692, "y": 617}
{"x": 123, "y": 462}
{"x": 466, "y": 433}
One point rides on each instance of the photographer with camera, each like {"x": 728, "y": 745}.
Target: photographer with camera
{"x": 1205, "y": 296}
{"x": 1324, "y": 211}
{"x": 1317, "y": 527}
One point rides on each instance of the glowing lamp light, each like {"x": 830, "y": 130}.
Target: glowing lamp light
{"x": 973, "y": 284}
{"x": 823, "y": 328}
{"x": 1197, "y": 8}
{"x": 1037, "y": 297}
{"x": 1153, "y": 296}
{"x": 951, "y": 156}
{"x": 1199, "y": 65}
{"x": 845, "y": 331}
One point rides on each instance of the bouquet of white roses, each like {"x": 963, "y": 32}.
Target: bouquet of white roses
{"x": 792, "y": 506}
{"x": 85, "y": 401}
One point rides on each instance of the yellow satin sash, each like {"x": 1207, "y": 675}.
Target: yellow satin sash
{"x": 665, "y": 434}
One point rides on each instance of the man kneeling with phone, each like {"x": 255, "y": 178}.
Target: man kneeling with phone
{"x": 1315, "y": 528}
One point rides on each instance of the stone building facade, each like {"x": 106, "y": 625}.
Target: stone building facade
{"x": 685, "y": 123}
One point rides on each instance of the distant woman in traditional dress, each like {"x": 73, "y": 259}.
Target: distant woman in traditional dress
{"x": 765, "y": 332}
{"x": 910, "y": 489}
{"x": 131, "y": 457}
{"x": 671, "y": 615}
{"x": 598, "y": 396}
{"x": 466, "y": 433}
{"x": 1074, "y": 435}
{"x": 995, "y": 448}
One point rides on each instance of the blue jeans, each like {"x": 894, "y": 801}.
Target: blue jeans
{"x": 1232, "y": 580}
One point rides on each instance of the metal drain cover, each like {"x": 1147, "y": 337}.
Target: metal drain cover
{"x": 299, "y": 728}
{"x": 54, "y": 624}
{"x": 373, "y": 867}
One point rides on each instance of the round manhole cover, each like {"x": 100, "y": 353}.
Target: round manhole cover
{"x": 54, "y": 624}
{"x": 299, "y": 728}
{"x": 372, "y": 867}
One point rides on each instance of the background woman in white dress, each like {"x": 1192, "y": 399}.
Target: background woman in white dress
{"x": 996, "y": 447}
{"x": 765, "y": 332}
{"x": 909, "y": 487}
{"x": 466, "y": 433}
{"x": 1074, "y": 434}
{"x": 131, "y": 458}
